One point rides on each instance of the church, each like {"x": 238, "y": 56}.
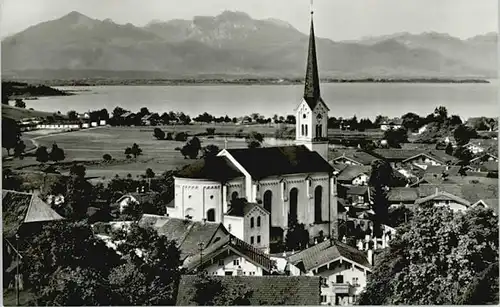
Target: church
{"x": 291, "y": 183}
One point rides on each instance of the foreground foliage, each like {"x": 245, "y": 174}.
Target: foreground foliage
{"x": 439, "y": 257}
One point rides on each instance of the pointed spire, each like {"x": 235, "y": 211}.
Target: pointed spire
{"x": 311, "y": 88}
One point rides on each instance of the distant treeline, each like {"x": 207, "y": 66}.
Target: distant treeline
{"x": 11, "y": 90}
{"x": 244, "y": 81}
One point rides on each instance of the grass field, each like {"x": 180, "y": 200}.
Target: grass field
{"x": 19, "y": 113}
{"x": 92, "y": 144}
{"x": 159, "y": 155}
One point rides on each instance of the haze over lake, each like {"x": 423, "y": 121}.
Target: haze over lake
{"x": 344, "y": 99}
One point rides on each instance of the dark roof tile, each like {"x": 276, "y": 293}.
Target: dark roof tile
{"x": 213, "y": 168}
{"x": 266, "y": 290}
{"x": 275, "y": 161}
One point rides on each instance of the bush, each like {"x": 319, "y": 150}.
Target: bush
{"x": 107, "y": 157}
{"x": 210, "y": 131}
{"x": 159, "y": 134}
{"x": 181, "y": 137}
{"x": 169, "y": 136}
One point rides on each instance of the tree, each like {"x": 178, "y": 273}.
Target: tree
{"x": 210, "y": 151}
{"x": 440, "y": 253}
{"x": 210, "y": 131}
{"x": 254, "y": 139}
{"x": 41, "y": 154}
{"x": 11, "y": 134}
{"x": 463, "y": 134}
{"x": 290, "y": 119}
{"x": 151, "y": 273}
{"x": 144, "y": 111}
{"x": 56, "y": 154}
{"x": 297, "y": 237}
{"x": 441, "y": 113}
{"x": 107, "y": 157}
{"x": 395, "y": 137}
{"x": 78, "y": 194}
{"x": 181, "y": 137}
{"x": 65, "y": 264}
{"x": 412, "y": 121}
{"x": 136, "y": 150}
{"x": 159, "y": 134}
{"x": 19, "y": 149}
{"x": 128, "y": 152}
{"x": 380, "y": 179}
{"x": 398, "y": 216}
{"x": 72, "y": 115}
{"x": 20, "y": 103}
{"x": 150, "y": 173}
{"x": 192, "y": 148}
{"x": 464, "y": 155}
{"x": 117, "y": 112}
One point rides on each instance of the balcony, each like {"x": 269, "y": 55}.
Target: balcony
{"x": 344, "y": 288}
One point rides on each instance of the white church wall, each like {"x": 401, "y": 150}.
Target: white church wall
{"x": 304, "y": 117}
{"x": 194, "y": 197}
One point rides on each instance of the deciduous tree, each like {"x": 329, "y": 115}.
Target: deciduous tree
{"x": 439, "y": 253}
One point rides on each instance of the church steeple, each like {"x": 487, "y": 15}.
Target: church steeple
{"x": 311, "y": 88}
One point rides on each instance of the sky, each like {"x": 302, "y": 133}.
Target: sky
{"x": 334, "y": 19}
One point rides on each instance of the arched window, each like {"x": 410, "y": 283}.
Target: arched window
{"x": 294, "y": 197}
{"x": 251, "y": 222}
{"x": 258, "y": 221}
{"x": 268, "y": 200}
{"x": 302, "y": 129}
{"x": 306, "y": 130}
{"x": 318, "y": 194}
{"x": 211, "y": 215}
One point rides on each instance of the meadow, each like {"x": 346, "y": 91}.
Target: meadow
{"x": 88, "y": 146}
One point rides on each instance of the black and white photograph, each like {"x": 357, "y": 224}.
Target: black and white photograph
{"x": 250, "y": 152}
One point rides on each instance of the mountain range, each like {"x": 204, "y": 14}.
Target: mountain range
{"x": 232, "y": 43}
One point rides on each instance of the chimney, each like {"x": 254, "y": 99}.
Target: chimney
{"x": 370, "y": 256}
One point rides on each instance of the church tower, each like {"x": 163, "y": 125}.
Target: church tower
{"x": 312, "y": 113}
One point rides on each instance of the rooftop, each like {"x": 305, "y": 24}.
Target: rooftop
{"x": 402, "y": 194}
{"x": 353, "y": 171}
{"x": 19, "y": 208}
{"x": 266, "y": 290}
{"x": 275, "y": 161}
{"x": 325, "y": 252}
{"x": 187, "y": 234}
{"x": 243, "y": 209}
{"x": 213, "y": 168}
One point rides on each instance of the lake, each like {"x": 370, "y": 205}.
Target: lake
{"x": 343, "y": 99}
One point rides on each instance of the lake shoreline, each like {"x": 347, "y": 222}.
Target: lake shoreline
{"x": 248, "y": 81}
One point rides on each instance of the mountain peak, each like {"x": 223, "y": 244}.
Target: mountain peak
{"x": 234, "y": 16}
{"x": 74, "y": 15}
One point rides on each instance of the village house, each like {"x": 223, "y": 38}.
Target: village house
{"x": 391, "y": 124}
{"x": 22, "y": 213}
{"x": 136, "y": 197}
{"x": 344, "y": 270}
{"x": 264, "y": 290}
{"x": 229, "y": 256}
{"x": 352, "y": 157}
{"x": 477, "y": 146}
{"x": 249, "y": 222}
{"x": 354, "y": 175}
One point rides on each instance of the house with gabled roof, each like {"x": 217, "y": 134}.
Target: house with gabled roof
{"x": 355, "y": 175}
{"x": 187, "y": 233}
{"x": 391, "y": 124}
{"x": 352, "y": 157}
{"x": 21, "y": 214}
{"x": 249, "y": 222}
{"x": 343, "y": 268}
{"x": 264, "y": 290}
{"x": 229, "y": 256}
{"x": 444, "y": 199}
